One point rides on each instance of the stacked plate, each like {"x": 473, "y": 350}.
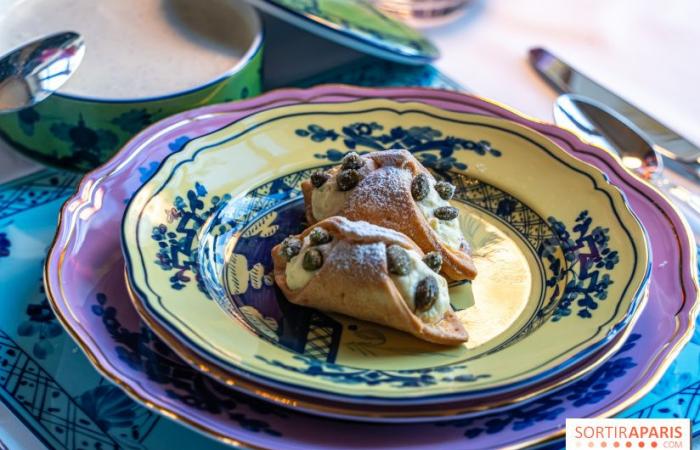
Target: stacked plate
{"x": 569, "y": 316}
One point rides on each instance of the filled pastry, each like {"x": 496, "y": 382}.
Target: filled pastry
{"x": 369, "y": 273}
{"x": 392, "y": 189}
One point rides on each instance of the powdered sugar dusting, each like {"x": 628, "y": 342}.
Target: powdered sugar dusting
{"x": 354, "y": 258}
{"x": 365, "y": 230}
{"x": 382, "y": 188}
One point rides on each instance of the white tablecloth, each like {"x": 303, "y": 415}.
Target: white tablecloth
{"x": 647, "y": 51}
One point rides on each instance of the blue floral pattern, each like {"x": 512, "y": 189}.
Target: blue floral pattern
{"x": 589, "y": 258}
{"x": 41, "y": 324}
{"x": 147, "y": 172}
{"x": 176, "y": 237}
{"x": 113, "y": 411}
{"x": 406, "y": 378}
{"x": 89, "y": 146}
{"x": 135, "y": 120}
{"x": 27, "y": 118}
{"x": 178, "y": 143}
{"x": 423, "y": 142}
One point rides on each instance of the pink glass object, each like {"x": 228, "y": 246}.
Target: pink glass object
{"x": 424, "y": 13}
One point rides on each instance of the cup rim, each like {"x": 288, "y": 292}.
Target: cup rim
{"x": 253, "y": 49}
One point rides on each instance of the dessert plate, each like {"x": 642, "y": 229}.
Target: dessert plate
{"x": 562, "y": 260}
{"x": 172, "y": 138}
{"x": 86, "y": 289}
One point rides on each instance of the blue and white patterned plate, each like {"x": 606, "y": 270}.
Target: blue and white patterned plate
{"x": 585, "y": 264}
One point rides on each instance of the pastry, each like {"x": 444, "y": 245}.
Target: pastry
{"x": 392, "y": 189}
{"x": 369, "y": 273}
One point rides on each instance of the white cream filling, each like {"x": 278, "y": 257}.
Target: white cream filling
{"x": 448, "y": 231}
{"x": 297, "y": 276}
{"x": 327, "y": 200}
{"x": 406, "y": 285}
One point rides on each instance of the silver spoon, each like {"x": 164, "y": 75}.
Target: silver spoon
{"x": 604, "y": 127}
{"x": 36, "y": 70}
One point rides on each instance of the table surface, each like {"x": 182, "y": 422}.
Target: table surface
{"x": 644, "y": 50}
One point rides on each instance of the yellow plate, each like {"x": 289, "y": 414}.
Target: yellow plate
{"x": 562, "y": 260}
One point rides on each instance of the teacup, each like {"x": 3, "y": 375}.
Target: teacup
{"x": 145, "y": 60}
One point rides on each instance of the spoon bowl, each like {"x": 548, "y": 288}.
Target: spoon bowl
{"x": 606, "y": 128}
{"x": 36, "y": 70}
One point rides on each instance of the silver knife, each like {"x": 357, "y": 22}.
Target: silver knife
{"x": 566, "y": 79}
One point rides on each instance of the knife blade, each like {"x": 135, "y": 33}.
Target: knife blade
{"x": 566, "y": 79}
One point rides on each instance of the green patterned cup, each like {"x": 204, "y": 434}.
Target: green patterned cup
{"x": 78, "y": 133}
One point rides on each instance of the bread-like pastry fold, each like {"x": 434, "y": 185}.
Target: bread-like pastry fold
{"x": 354, "y": 280}
{"x": 383, "y": 196}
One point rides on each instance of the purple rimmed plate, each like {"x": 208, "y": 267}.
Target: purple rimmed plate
{"x": 89, "y": 297}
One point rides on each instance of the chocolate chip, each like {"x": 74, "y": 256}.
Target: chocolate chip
{"x": 347, "y": 179}
{"x": 420, "y": 187}
{"x": 319, "y": 236}
{"x": 291, "y": 247}
{"x": 313, "y": 260}
{"x": 352, "y": 161}
{"x": 445, "y": 190}
{"x": 397, "y": 260}
{"x": 427, "y": 292}
{"x": 446, "y": 212}
{"x": 318, "y": 179}
{"x": 433, "y": 260}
